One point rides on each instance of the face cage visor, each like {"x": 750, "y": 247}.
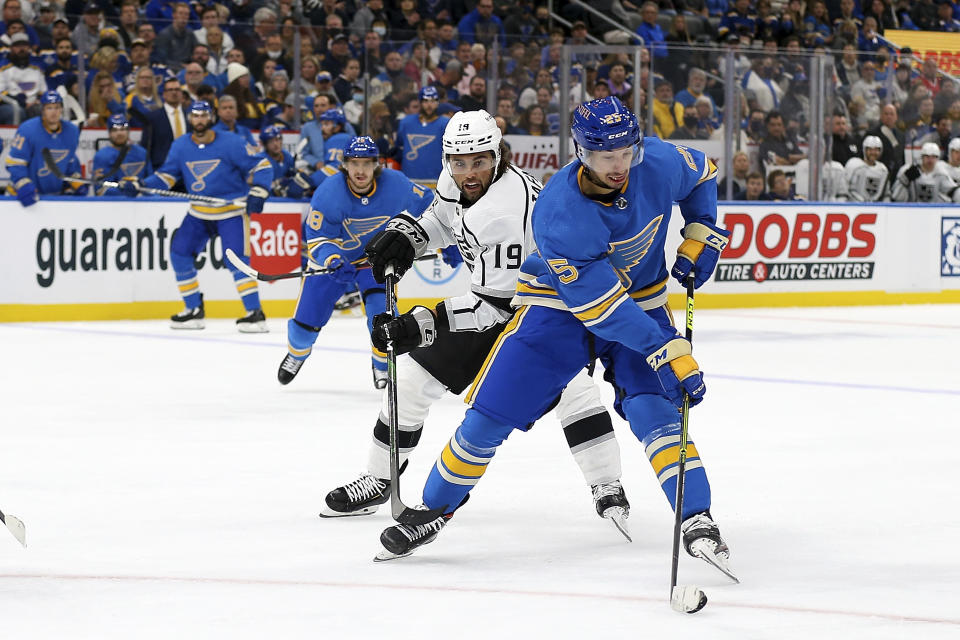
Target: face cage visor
{"x": 615, "y": 161}
{"x": 458, "y": 165}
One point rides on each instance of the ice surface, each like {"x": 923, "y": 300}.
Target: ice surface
{"x": 170, "y": 487}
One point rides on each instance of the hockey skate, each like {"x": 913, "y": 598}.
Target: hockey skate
{"x": 380, "y": 378}
{"x": 611, "y": 504}
{"x": 253, "y": 322}
{"x": 358, "y": 498}
{"x": 189, "y": 318}
{"x": 400, "y": 540}
{"x": 701, "y": 538}
{"x": 289, "y": 369}
{"x": 349, "y": 304}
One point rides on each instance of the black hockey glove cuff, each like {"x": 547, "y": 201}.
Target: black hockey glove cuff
{"x": 399, "y": 243}
{"x": 413, "y": 329}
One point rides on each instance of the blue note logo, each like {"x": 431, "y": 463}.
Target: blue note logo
{"x": 200, "y": 169}
{"x": 356, "y": 228}
{"x": 627, "y": 254}
{"x": 417, "y": 141}
{"x": 950, "y": 247}
{"x": 58, "y": 155}
{"x": 132, "y": 168}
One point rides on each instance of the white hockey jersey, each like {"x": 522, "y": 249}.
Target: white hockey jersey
{"x": 866, "y": 183}
{"x": 936, "y": 186}
{"x": 952, "y": 171}
{"x": 494, "y": 238}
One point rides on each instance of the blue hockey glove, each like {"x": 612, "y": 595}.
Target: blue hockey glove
{"x": 256, "y": 198}
{"x": 416, "y": 328}
{"x": 678, "y": 371}
{"x": 130, "y": 187}
{"x": 699, "y": 252}
{"x": 340, "y": 270}
{"x": 26, "y": 192}
{"x": 299, "y": 186}
{"x": 451, "y": 255}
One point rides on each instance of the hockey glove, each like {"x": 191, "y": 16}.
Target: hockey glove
{"x": 130, "y": 187}
{"x": 399, "y": 243}
{"x": 912, "y": 173}
{"x": 699, "y": 252}
{"x": 255, "y": 199}
{"x": 413, "y": 329}
{"x": 451, "y": 255}
{"x": 678, "y": 371}
{"x": 340, "y": 270}
{"x": 26, "y": 192}
{"x": 299, "y": 186}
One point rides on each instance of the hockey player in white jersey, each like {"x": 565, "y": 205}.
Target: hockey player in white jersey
{"x": 483, "y": 205}
{"x": 952, "y": 165}
{"x": 867, "y": 178}
{"x": 926, "y": 181}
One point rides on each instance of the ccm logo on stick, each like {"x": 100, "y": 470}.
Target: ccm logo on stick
{"x": 830, "y": 235}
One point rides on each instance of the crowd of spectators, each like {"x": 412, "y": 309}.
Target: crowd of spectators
{"x": 371, "y": 58}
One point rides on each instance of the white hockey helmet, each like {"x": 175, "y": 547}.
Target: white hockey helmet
{"x": 930, "y": 149}
{"x": 872, "y": 142}
{"x": 471, "y": 132}
{"x": 954, "y": 145}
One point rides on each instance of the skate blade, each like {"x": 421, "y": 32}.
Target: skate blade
{"x": 255, "y": 327}
{"x": 189, "y": 324}
{"x": 618, "y": 517}
{"x": 387, "y": 556}
{"x": 326, "y": 512}
{"x": 717, "y": 560}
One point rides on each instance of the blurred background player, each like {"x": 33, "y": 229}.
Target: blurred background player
{"x": 281, "y": 161}
{"x": 216, "y": 164}
{"x": 925, "y": 181}
{"x": 120, "y": 159}
{"x": 335, "y": 138}
{"x": 29, "y": 175}
{"x": 952, "y": 165}
{"x": 482, "y": 206}
{"x": 419, "y": 137}
{"x": 347, "y": 207}
{"x": 867, "y": 179}
{"x": 597, "y": 287}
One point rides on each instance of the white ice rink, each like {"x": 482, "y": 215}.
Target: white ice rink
{"x": 170, "y": 487}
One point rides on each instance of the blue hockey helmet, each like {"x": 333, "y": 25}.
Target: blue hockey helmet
{"x": 117, "y": 121}
{"x": 361, "y": 147}
{"x": 429, "y": 93}
{"x": 201, "y": 106}
{"x": 271, "y": 132}
{"x": 51, "y": 97}
{"x": 334, "y": 115}
{"x": 605, "y": 125}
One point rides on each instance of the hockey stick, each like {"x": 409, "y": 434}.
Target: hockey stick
{"x": 111, "y": 184}
{"x": 401, "y": 512}
{"x": 685, "y": 599}
{"x": 16, "y": 527}
{"x": 271, "y": 277}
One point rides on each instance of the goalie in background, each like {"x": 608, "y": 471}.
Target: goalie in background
{"x": 29, "y": 175}
{"x": 216, "y": 164}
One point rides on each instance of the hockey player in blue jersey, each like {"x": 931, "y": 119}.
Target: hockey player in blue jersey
{"x": 345, "y": 211}
{"x": 419, "y": 139}
{"x": 597, "y": 285}
{"x": 29, "y": 174}
{"x": 281, "y": 161}
{"x": 335, "y": 137}
{"x": 119, "y": 160}
{"x": 213, "y": 164}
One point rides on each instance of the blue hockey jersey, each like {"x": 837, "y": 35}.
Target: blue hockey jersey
{"x": 605, "y": 262}
{"x": 240, "y": 130}
{"x": 340, "y": 222}
{"x": 25, "y": 161}
{"x": 421, "y": 147}
{"x": 134, "y": 163}
{"x": 333, "y": 148}
{"x": 219, "y": 169}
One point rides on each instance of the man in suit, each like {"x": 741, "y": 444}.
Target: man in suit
{"x": 166, "y": 124}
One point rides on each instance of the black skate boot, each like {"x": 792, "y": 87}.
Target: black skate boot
{"x": 189, "y": 318}
{"x": 611, "y": 503}
{"x": 401, "y": 540}
{"x": 289, "y": 369}
{"x": 358, "y": 498}
{"x": 253, "y": 322}
{"x": 701, "y": 539}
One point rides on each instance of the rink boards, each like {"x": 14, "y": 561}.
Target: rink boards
{"x": 108, "y": 258}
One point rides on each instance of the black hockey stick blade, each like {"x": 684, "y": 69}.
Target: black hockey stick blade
{"x": 246, "y": 269}
{"x": 414, "y": 517}
{"x": 16, "y": 527}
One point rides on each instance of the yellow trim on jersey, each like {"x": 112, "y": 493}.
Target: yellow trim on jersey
{"x": 649, "y": 291}
{"x": 508, "y": 330}
{"x": 377, "y": 352}
{"x": 671, "y": 455}
{"x": 623, "y": 189}
{"x": 168, "y": 179}
{"x": 709, "y": 171}
{"x": 215, "y": 209}
{"x": 15, "y": 161}
{"x": 529, "y": 287}
{"x": 593, "y": 314}
{"x": 364, "y": 195}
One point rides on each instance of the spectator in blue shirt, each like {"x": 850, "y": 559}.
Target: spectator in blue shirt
{"x": 480, "y": 25}
{"x": 650, "y": 31}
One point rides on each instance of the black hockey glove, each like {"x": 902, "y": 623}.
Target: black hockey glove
{"x": 400, "y": 242}
{"x": 912, "y": 173}
{"x": 413, "y": 329}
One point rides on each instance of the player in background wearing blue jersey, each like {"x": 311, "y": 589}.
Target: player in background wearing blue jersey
{"x": 349, "y": 206}
{"x": 281, "y": 161}
{"x": 29, "y": 174}
{"x": 597, "y": 285}
{"x": 217, "y": 164}
{"x": 420, "y": 140}
{"x": 335, "y": 138}
{"x": 120, "y": 160}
